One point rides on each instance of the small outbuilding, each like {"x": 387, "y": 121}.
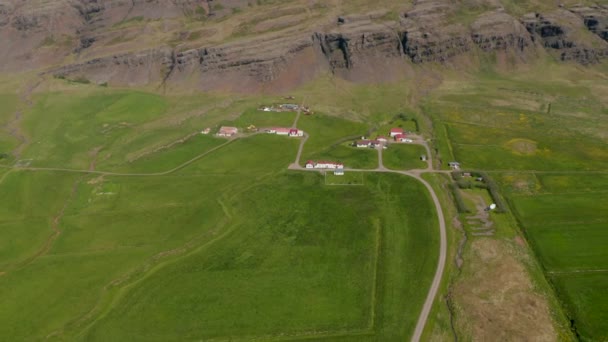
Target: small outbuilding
{"x": 454, "y": 165}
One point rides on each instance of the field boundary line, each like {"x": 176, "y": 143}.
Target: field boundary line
{"x": 124, "y": 174}
{"x": 378, "y": 246}
{"x": 565, "y": 273}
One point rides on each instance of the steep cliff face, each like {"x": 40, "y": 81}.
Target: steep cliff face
{"x": 499, "y": 31}
{"x": 595, "y": 19}
{"x": 372, "y": 46}
{"x": 564, "y": 32}
{"x": 427, "y": 36}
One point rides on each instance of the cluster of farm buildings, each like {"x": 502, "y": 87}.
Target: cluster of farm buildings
{"x": 397, "y": 134}
{"x": 227, "y": 131}
{"x": 286, "y": 107}
{"x": 292, "y": 132}
{"x": 336, "y": 166}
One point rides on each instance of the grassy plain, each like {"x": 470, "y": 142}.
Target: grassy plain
{"x": 563, "y": 217}
{"x": 352, "y": 157}
{"x": 232, "y": 246}
{"x": 404, "y": 157}
{"x": 530, "y": 124}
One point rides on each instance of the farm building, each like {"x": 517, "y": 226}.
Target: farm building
{"x": 382, "y": 139}
{"x": 402, "y": 138}
{"x": 454, "y": 165}
{"x": 282, "y": 131}
{"x": 310, "y": 164}
{"x": 227, "y": 131}
{"x": 363, "y": 143}
{"x": 396, "y": 131}
{"x": 296, "y": 132}
{"x": 289, "y": 106}
{"x": 328, "y": 165}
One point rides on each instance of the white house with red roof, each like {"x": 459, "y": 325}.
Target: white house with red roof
{"x": 382, "y": 139}
{"x": 363, "y": 143}
{"x": 296, "y": 132}
{"x": 282, "y": 130}
{"x": 227, "y": 131}
{"x": 310, "y": 164}
{"x": 402, "y": 138}
{"x": 395, "y": 131}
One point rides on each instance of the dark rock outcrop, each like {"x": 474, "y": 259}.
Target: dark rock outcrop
{"x": 427, "y": 36}
{"x": 595, "y": 19}
{"x": 564, "y": 32}
{"x": 352, "y": 47}
{"x": 500, "y": 31}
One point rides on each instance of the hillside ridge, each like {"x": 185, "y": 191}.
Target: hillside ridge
{"x": 366, "y": 47}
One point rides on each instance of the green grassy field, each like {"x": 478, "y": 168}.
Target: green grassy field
{"x": 553, "y": 123}
{"x": 231, "y": 246}
{"x": 352, "y": 157}
{"x": 329, "y": 132}
{"x": 564, "y": 219}
{"x": 404, "y": 157}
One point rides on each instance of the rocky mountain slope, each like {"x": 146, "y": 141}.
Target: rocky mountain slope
{"x": 175, "y": 41}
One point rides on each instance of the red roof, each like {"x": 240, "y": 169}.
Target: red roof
{"x": 396, "y": 130}
{"x": 282, "y": 129}
{"x": 293, "y": 131}
{"x": 400, "y": 136}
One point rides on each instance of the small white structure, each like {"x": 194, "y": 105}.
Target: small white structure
{"x": 492, "y": 206}
{"x": 454, "y": 165}
{"x": 382, "y": 139}
{"x": 267, "y": 109}
{"x": 206, "y": 131}
{"x": 310, "y": 164}
{"x": 339, "y": 172}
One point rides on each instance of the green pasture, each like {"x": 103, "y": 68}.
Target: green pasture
{"x": 327, "y": 131}
{"x": 352, "y": 157}
{"x": 348, "y": 178}
{"x": 566, "y": 228}
{"x": 258, "y": 118}
{"x": 8, "y": 105}
{"x": 214, "y": 250}
{"x": 504, "y": 149}
{"x": 404, "y": 157}
{"x": 584, "y": 296}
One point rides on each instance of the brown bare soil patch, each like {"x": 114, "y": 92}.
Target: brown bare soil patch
{"x": 496, "y": 300}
